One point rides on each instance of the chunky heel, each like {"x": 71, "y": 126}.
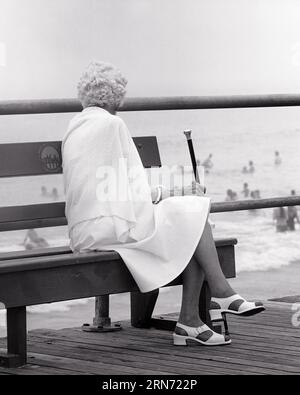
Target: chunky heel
{"x": 179, "y": 340}
{"x": 216, "y": 315}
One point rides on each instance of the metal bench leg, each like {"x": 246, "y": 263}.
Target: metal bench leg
{"x": 16, "y": 338}
{"x": 142, "y": 306}
{"x": 102, "y": 321}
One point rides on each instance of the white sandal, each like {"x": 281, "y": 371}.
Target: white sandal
{"x": 234, "y": 304}
{"x": 185, "y": 335}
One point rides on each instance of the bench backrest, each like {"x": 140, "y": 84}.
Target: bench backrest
{"x": 44, "y": 158}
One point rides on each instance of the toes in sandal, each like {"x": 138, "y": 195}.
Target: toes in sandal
{"x": 186, "y": 335}
{"x": 234, "y": 304}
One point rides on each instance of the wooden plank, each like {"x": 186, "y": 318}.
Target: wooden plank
{"x": 44, "y": 158}
{"x": 148, "y": 150}
{"x": 126, "y": 357}
{"x": 30, "y": 159}
{"x": 67, "y": 365}
{"x": 163, "y": 355}
{"x": 151, "y": 337}
{"x": 34, "y": 253}
{"x": 56, "y": 261}
{"x": 46, "y": 279}
{"x": 144, "y": 350}
{"x": 32, "y": 224}
{"x": 72, "y": 281}
{"x": 31, "y": 212}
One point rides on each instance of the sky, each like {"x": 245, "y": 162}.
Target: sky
{"x": 164, "y": 47}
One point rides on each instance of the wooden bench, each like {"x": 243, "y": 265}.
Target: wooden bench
{"x": 56, "y": 274}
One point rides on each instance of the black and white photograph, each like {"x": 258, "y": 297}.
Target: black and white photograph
{"x": 149, "y": 190}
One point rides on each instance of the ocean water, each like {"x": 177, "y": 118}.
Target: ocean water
{"x": 233, "y": 137}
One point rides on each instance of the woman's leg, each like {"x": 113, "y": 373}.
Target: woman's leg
{"x": 204, "y": 264}
{"x": 207, "y": 257}
{"x": 192, "y": 279}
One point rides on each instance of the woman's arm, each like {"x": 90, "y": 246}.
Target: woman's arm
{"x": 161, "y": 192}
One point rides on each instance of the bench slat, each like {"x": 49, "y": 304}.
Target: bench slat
{"x": 30, "y": 159}
{"x": 32, "y": 211}
{"x": 40, "y": 158}
{"x": 66, "y": 250}
{"x": 66, "y": 282}
{"x": 32, "y": 224}
{"x": 56, "y": 261}
{"x": 32, "y": 216}
{"x": 5, "y": 256}
{"x": 24, "y": 261}
{"x": 45, "y": 279}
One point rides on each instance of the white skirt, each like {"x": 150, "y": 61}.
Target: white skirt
{"x": 161, "y": 257}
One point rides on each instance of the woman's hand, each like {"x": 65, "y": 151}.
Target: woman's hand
{"x": 195, "y": 189}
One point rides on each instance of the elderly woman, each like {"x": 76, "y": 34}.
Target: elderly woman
{"x": 110, "y": 206}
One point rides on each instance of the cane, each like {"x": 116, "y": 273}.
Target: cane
{"x": 188, "y": 135}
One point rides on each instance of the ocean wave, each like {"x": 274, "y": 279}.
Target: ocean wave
{"x": 259, "y": 246}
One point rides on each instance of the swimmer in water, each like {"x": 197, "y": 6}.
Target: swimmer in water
{"x": 208, "y": 163}
{"x": 54, "y": 194}
{"x": 253, "y": 195}
{"x": 277, "y": 160}
{"x": 292, "y": 214}
{"x": 280, "y": 217}
{"x": 32, "y": 240}
{"x": 245, "y": 170}
{"x": 257, "y": 194}
{"x": 228, "y": 195}
{"x": 251, "y": 167}
{"x": 44, "y": 191}
{"x": 246, "y": 190}
{"x": 234, "y": 195}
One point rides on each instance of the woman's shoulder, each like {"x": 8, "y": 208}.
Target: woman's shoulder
{"x": 119, "y": 121}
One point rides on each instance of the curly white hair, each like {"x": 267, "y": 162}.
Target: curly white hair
{"x": 101, "y": 84}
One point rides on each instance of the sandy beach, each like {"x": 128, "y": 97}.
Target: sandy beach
{"x": 263, "y": 285}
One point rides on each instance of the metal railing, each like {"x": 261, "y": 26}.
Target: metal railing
{"x": 17, "y": 107}
{"x": 22, "y": 107}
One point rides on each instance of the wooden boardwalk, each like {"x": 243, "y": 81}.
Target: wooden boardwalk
{"x": 264, "y": 344}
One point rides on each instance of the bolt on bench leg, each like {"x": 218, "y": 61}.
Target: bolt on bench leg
{"x": 16, "y": 338}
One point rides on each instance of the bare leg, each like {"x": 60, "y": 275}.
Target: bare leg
{"x": 207, "y": 257}
{"x": 205, "y": 264}
{"x": 193, "y": 277}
